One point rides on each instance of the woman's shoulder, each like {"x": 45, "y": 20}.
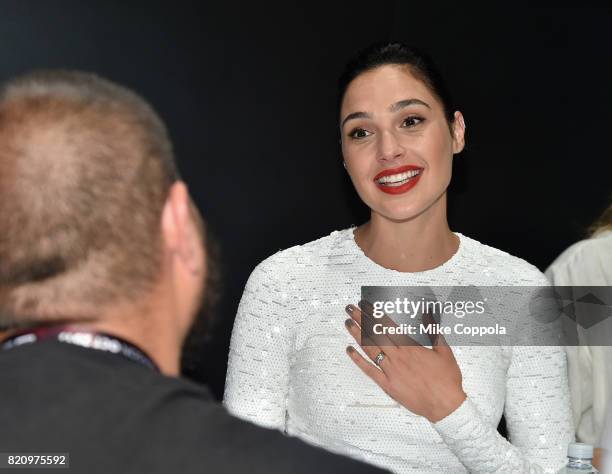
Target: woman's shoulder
{"x": 506, "y": 268}
{"x": 594, "y": 248}
{"x": 322, "y": 247}
{"x": 585, "y": 262}
{"x": 308, "y": 255}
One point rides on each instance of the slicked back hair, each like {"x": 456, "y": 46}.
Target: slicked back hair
{"x": 420, "y": 64}
{"x": 85, "y": 169}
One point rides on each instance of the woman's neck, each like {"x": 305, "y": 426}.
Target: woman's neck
{"x": 415, "y": 245}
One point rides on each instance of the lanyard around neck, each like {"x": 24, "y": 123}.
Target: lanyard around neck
{"x": 79, "y": 337}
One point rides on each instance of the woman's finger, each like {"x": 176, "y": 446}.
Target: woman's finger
{"x": 366, "y": 323}
{"x": 376, "y": 374}
{"x": 430, "y": 320}
{"x": 367, "y": 310}
{"x": 371, "y": 351}
{"x": 442, "y": 347}
{"x": 370, "y": 325}
{"x": 399, "y": 340}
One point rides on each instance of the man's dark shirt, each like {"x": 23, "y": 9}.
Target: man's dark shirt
{"x": 113, "y": 415}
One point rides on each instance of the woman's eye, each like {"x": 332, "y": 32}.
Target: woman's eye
{"x": 412, "y": 121}
{"x": 359, "y": 133}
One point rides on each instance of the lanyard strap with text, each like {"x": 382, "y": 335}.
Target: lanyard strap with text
{"x": 83, "y": 338}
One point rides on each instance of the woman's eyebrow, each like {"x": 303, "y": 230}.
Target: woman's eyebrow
{"x": 355, "y": 115}
{"x": 405, "y": 103}
{"x": 394, "y": 108}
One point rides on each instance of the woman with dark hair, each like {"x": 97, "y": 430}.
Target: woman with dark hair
{"x": 286, "y": 368}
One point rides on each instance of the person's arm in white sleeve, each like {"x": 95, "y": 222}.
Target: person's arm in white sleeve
{"x": 257, "y": 378}
{"x": 579, "y": 362}
{"x": 537, "y": 407}
{"x": 537, "y": 416}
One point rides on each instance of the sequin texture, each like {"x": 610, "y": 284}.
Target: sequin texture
{"x": 288, "y": 369}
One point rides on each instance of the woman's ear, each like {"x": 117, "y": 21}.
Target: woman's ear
{"x": 458, "y": 132}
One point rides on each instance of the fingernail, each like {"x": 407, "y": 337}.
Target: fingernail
{"x": 349, "y": 323}
{"x": 350, "y": 349}
{"x": 349, "y": 309}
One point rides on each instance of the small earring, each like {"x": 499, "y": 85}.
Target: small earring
{"x": 344, "y": 163}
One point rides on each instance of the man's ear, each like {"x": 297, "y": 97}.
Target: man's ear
{"x": 180, "y": 235}
{"x": 458, "y": 132}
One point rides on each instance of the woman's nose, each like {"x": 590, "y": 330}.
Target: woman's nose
{"x": 389, "y": 147}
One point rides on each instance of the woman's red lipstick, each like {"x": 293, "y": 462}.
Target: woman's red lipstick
{"x": 407, "y": 184}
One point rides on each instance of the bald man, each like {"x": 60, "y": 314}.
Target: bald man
{"x": 103, "y": 267}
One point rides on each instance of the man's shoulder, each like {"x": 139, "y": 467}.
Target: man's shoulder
{"x": 208, "y": 437}
{"x": 117, "y": 416}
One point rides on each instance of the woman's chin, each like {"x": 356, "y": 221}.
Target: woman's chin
{"x": 406, "y": 208}
{"x": 400, "y": 213}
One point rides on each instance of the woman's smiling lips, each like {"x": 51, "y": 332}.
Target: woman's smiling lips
{"x": 398, "y": 180}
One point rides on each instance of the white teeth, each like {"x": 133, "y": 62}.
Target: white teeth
{"x": 398, "y": 179}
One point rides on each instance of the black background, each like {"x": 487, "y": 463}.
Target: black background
{"x": 248, "y": 92}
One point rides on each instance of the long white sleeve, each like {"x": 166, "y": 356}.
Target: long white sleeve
{"x": 258, "y": 367}
{"x": 537, "y": 406}
{"x": 538, "y": 433}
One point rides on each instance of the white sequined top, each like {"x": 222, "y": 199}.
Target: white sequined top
{"x": 288, "y": 368}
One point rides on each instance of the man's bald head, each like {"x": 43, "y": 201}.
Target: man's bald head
{"x": 85, "y": 168}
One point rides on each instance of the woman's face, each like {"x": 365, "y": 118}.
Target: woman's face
{"x": 396, "y": 142}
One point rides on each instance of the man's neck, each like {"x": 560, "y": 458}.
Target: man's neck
{"x": 151, "y": 340}
{"x": 145, "y": 333}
